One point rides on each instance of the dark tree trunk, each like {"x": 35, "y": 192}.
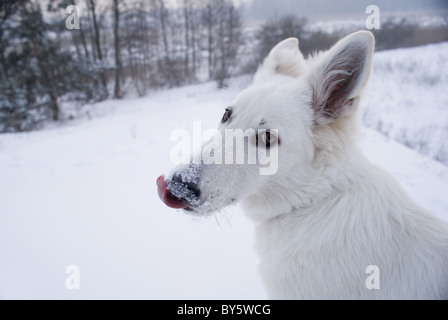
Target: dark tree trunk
{"x": 97, "y": 40}
{"x": 117, "y": 90}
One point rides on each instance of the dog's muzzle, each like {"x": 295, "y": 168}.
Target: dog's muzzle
{"x": 178, "y": 192}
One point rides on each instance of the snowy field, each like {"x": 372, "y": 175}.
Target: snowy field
{"x": 84, "y": 193}
{"x": 407, "y": 98}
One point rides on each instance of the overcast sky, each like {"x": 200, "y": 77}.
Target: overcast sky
{"x": 264, "y": 9}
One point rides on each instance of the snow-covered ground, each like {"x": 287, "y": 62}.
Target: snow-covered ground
{"x": 357, "y": 22}
{"x": 84, "y": 194}
{"x": 407, "y": 98}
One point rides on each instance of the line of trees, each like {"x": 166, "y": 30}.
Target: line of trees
{"x": 124, "y": 46}
{"x": 120, "y": 46}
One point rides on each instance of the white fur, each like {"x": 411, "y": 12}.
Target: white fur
{"x": 327, "y": 213}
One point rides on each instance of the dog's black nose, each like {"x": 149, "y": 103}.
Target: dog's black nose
{"x": 193, "y": 187}
{"x": 184, "y": 189}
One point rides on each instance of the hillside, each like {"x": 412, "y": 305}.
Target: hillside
{"x": 407, "y": 99}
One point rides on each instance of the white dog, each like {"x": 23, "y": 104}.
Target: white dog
{"x": 326, "y": 214}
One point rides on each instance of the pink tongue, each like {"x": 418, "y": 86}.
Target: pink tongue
{"x": 167, "y": 197}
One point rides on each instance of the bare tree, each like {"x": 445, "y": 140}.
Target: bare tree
{"x": 163, "y": 14}
{"x": 83, "y": 41}
{"x": 118, "y": 66}
{"x": 187, "y": 20}
{"x": 96, "y": 30}
{"x": 223, "y": 26}
{"x": 141, "y": 40}
{"x": 208, "y": 19}
{"x": 97, "y": 38}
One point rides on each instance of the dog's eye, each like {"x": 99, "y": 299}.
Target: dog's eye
{"x": 227, "y": 115}
{"x": 268, "y": 138}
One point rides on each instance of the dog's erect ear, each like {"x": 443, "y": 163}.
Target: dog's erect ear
{"x": 339, "y": 76}
{"x": 285, "y": 58}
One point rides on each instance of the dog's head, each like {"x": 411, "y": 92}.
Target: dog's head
{"x": 278, "y": 138}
